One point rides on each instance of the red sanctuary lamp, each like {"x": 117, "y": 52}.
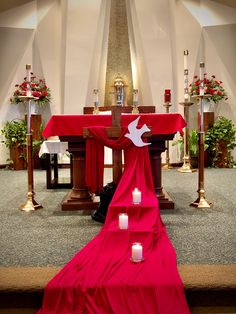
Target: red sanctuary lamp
{"x": 167, "y": 96}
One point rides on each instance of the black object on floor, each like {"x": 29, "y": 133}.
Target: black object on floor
{"x": 106, "y": 195}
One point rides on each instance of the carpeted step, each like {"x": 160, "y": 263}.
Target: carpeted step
{"x": 209, "y": 288}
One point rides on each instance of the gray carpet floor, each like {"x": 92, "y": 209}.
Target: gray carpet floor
{"x": 51, "y": 237}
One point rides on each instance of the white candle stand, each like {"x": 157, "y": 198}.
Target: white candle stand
{"x": 186, "y": 167}
{"x": 30, "y": 204}
{"x": 167, "y": 105}
{"x": 201, "y": 201}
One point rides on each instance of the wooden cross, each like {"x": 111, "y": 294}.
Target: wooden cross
{"x": 113, "y": 132}
{"x": 80, "y": 197}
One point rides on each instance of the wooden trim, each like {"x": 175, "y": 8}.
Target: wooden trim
{"x": 125, "y": 109}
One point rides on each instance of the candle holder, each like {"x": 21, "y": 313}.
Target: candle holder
{"x": 30, "y": 204}
{"x": 123, "y": 221}
{"x": 137, "y": 253}
{"x": 201, "y": 201}
{"x": 186, "y": 167}
{"x": 137, "y": 196}
{"x": 96, "y": 101}
{"x": 135, "y": 108}
{"x": 135, "y": 102}
{"x": 167, "y": 105}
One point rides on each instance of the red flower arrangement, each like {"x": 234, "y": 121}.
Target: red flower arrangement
{"x": 212, "y": 87}
{"x": 38, "y": 88}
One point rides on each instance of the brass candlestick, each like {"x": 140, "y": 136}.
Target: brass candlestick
{"x": 186, "y": 167}
{"x": 201, "y": 201}
{"x": 30, "y": 204}
{"x": 135, "y": 102}
{"x": 96, "y": 101}
{"x": 95, "y": 109}
{"x": 167, "y": 105}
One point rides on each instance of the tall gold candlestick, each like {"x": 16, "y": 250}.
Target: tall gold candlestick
{"x": 201, "y": 201}
{"x": 167, "y": 105}
{"x": 30, "y": 204}
{"x": 186, "y": 167}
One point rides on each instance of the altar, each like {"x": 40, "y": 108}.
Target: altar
{"x": 70, "y": 129}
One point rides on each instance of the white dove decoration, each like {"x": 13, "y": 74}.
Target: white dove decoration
{"x": 135, "y": 134}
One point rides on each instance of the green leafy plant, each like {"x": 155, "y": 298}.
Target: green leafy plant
{"x": 14, "y": 133}
{"x": 193, "y": 142}
{"x": 220, "y": 141}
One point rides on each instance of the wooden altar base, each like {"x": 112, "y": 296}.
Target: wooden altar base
{"x": 69, "y": 204}
{"x": 165, "y": 202}
{"x": 73, "y": 204}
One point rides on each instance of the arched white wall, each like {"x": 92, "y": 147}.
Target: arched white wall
{"x": 66, "y": 43}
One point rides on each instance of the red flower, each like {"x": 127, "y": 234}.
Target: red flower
{"x": 213, "y": 88}
{"x": 37, "y": 86}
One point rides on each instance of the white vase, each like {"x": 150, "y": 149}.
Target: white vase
{"x": 209, "y": 106}
{"x": 34, "y": 107}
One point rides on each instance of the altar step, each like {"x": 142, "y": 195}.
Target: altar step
{"x": 209, "y": 288}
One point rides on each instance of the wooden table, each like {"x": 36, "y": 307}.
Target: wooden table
{"x": 69, "y": 128}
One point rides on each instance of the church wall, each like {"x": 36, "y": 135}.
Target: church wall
{"x": 66, "y": 40}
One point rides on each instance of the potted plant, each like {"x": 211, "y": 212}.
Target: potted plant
{"x": 14, "y": 133}
{"x": 193, "y": 146}
{"x": 220, "y": 141}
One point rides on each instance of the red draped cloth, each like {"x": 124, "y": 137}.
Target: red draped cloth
{"x": 101, "y": 278}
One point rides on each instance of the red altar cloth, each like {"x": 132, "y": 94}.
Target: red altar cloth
{"x": 101, "y": 278}
{"x": 72, "y": 125}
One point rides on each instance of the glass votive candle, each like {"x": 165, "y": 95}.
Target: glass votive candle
{"x": 123, "y": 221}
{"x": 136, "y": 194}
{"x": 137, "y": 252}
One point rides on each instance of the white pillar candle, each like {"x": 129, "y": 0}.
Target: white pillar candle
{"x": 95, "y": 96}
{"x": 28, "y": 94}
{"x": 201, "y": 76}
{"x": 136, "y": 196}
{"x": 135, "y": 96}
{"x": 186, "y": 95}
{"x": 137, "y": 252}
{"x": 123, "y": 221}
{"x": 28, "y": 69}
{"x": 28, "y": 80}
